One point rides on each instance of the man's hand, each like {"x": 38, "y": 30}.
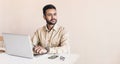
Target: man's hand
{"x": 39, "y": 50}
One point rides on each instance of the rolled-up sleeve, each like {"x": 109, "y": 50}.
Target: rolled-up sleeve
{"x": 35, "y": 39}
{"x": 64, "y": 44}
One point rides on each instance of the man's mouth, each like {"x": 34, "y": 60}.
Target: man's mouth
{"x": 53, "y": 20}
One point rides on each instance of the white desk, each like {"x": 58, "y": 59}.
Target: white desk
{"x": 43, "y": 59}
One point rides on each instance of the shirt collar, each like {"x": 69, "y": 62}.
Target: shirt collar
{"x": 55, "y": 28}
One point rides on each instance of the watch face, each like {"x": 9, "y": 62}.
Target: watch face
{"x": 62, "y": 58}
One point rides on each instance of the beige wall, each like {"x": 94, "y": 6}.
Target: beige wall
{"x": 94, "y": 25}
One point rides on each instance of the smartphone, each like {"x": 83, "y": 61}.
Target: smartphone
{"x": 53, "y": 57}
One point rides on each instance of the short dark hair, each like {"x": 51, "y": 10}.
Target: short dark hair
{"x": 49, "y": 6}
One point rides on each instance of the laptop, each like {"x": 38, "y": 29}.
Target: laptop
{"x": 18, "y": 45}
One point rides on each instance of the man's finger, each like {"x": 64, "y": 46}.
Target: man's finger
{"x": 38, "y": 50}
{"x": 41, "y": 51}
{"x": 37, "y": 47}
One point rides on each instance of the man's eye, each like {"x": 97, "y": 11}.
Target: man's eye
{"x": 49, "y": 14}
{"x": 55, "y": 14}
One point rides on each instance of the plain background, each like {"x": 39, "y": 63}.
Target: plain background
{"x": 94, "y": 25}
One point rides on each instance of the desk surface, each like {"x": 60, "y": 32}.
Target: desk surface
{"x": 43, "y": 59}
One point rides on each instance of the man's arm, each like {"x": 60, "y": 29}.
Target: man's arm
{"x": 37, "y": 49}
{"x": 64, "y": 44}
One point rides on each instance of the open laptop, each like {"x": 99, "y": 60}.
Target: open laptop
{"x": 18, "y": 45}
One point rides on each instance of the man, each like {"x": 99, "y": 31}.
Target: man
{"x": 50, "y": 38}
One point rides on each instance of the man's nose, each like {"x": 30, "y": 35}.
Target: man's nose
{"x": 52, "y": 16}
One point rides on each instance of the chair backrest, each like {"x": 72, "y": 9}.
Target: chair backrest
{"x": 1, "y": 38}
{"x": 1, "y": 44}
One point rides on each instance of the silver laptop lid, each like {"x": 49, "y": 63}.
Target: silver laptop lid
{"x": 18, "y": 45}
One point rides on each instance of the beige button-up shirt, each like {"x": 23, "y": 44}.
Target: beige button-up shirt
{"x": 56, "y": 39}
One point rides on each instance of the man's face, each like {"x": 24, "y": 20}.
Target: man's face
{"x": 51, "y": 16}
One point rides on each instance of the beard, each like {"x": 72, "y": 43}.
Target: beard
{"x": 51, "y": 22}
